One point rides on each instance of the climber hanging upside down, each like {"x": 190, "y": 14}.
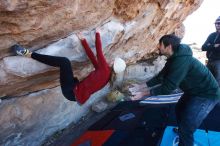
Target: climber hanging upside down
{"x": 72, "y": 88}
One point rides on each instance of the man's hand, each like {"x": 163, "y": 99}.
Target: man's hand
{"x": 139, "y": 95}
{"x": 137, "y": 87}
{"x": 208, "y": 44}
{"x": 216, "y": 45}
{"x": 138, "y": 91}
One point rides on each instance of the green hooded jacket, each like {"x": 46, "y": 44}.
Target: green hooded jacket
{"x": 186, "y": 72}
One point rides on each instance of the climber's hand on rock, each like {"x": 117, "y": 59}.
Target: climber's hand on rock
{"x": 97, "y": 30}
{"x": 80, "y": 35}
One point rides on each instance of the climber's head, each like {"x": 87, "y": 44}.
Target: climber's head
{"x": 119, "y": 65}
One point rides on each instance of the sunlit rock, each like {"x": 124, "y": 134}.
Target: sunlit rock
{"x": 33, "y": 106}
{"x": 23, "y": 66}
{"x": 144, "y": 71}
{"x": 30, "y": 119}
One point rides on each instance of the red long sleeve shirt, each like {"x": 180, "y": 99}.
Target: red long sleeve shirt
{"x": 98, "y": 78}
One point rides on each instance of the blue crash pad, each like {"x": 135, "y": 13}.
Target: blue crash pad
{"x": 201, "y": 138}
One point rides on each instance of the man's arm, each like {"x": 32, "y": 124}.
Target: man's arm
{"x": 158, "y": 79}
{"x": 209, "y": 45}
{"x": 176, "y": 73}
{"x": 143, "y": 89}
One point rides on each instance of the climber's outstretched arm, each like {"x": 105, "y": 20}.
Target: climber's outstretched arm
{"x": 98, "y": 43}
{"x": 88, "y": 50}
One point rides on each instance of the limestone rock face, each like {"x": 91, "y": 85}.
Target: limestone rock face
{"x": 130, "y": 29}
{"x": 32, "y": 103}
{"x": 30, "y": 119}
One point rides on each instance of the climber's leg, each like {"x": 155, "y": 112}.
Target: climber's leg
{"x": 67, "y": 80}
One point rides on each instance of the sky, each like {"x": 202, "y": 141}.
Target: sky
{"x": 200, "y": 23}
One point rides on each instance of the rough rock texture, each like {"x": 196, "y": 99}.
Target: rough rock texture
{"x": 130, "y": 29}
{"x": 28, "y": 120}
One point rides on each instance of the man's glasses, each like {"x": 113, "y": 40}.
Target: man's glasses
{"x": 217, "y": 23}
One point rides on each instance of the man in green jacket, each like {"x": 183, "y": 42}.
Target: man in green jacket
{"x": 201, "y": 91}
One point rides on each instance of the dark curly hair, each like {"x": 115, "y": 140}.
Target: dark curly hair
{"x": 170, "y": 39}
